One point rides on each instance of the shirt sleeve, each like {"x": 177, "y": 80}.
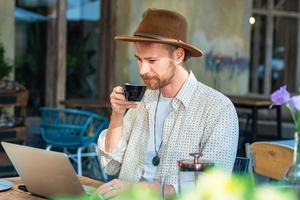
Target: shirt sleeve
{"x": 221, "y": 140}
{"x": 111, "y": 162}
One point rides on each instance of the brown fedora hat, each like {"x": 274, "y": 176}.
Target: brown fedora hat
{"x": 162, "y": 26}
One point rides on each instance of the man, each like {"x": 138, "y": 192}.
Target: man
{"x": 178, "y": 115}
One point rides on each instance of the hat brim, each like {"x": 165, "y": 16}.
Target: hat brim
{"x": 194, "y": 51}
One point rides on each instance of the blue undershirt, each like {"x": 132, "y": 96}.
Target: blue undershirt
{"x": 164, "y": 107}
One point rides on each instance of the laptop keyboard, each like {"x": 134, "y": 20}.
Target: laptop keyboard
{"x": 89, "y": 189}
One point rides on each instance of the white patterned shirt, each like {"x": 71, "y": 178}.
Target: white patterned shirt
{"x": 202, "y": 120}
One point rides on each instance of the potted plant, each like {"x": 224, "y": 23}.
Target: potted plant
{"x": 5, "y": 65}
{"x": 283, "y": 97}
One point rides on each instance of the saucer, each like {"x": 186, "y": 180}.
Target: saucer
{"x": 5, "y": 185}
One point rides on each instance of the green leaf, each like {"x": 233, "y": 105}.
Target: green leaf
{"x": 81, "y": 197}
{"x": 5, "y": 66}
{"x": 137, "y": 192}
{"x": 297, "y": 121}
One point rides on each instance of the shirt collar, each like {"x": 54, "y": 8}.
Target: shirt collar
{"x": 183, "y": 97}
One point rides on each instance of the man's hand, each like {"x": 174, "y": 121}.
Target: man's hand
{"x": 116, "y": 186}
{"x": 119, "y": 106}
{"x": 118, "y": 101}
{"x": 112, "y": 188}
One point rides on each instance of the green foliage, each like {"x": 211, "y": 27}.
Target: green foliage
{"x": 82, "y": 197}
{"x": 80, "y": 68}
{"x": 268, "y": 192}
{"x": 137, "y": 192}
{"x": 212, "y": 185}
{"x": 5, "y": 66}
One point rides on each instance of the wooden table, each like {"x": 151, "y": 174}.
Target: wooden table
{"x": 16, "y": 194}
{"x": 96, "y": 104}
{"x": 254, "y": 104}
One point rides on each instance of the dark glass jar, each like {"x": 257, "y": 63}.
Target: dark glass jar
{"x": 189, "y": 171}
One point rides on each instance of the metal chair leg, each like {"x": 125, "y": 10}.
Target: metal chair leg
{"x": 79, "y": 165}
{"x": 249, "y": 155}
{"x": 49, "y": 147}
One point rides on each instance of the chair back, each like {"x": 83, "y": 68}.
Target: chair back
{"x": 70, "y": 127}
{"x": 270, "y": 159}
{"x": 241, "y": 165}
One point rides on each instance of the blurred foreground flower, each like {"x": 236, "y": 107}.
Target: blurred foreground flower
{"x": 217, "y": 185}
{"x": 212, "y": 185}
{"x": 268, "y": 192}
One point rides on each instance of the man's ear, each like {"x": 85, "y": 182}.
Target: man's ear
{"x": 179, "y": 55}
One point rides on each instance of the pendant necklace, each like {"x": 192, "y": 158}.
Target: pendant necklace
{"x": 156, "y": 159}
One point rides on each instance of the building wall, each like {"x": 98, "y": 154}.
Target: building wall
{"x": 7, "y": 27}
{"x": 219, "y": 28}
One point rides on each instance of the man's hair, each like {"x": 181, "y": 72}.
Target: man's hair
{"x": 172, "y": 48}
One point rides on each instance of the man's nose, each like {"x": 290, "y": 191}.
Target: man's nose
{"x": 144, "y": 68}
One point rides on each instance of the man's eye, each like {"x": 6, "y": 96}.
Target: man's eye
{"x": 152, "y": 61}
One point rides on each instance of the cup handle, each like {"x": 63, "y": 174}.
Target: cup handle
{"x": 124, "y": 93}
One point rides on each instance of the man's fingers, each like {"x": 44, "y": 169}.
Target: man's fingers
{"x": 123, "y": 103}
{"x": 118, "y": 90}
{"x": 118, "y": 96}
{"x": 110, "y": 194}
{"x": 118, "y": 101}
{"x": 110, "y": 189}
{"x": 104, "y": 188}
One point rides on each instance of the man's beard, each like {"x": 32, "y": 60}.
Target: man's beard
{"x": 153, "y": 82}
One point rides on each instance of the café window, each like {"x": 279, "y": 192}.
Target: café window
{"x": 275, "y": 46}
{"x": 80, "y": 24}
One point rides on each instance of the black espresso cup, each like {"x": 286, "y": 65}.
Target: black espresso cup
{"x": 133, "y": 92}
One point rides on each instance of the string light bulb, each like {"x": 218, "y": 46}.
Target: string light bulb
{"x": 251, "y": 20}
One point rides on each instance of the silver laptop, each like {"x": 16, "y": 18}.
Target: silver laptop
{"x": 44, "y": 173}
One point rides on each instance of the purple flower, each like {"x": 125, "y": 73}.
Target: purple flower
{"x": 295, "y": 102}
{"x": 280, "y": 96}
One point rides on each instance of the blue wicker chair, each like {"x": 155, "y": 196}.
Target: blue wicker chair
{"x": 72, "y": 129}
{"x": 241, "y": 165}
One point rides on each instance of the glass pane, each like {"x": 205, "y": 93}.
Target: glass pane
{"x": 284, "y": 53}
{"x": 258, "y": 35}
{"x": 83, "y": 48}
{"x": 261, "y": 4}
{"x": 31, "y": 21}
{"x": 287, "y": 5}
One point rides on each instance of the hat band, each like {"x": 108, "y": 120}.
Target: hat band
{"x": 158, "y": 37}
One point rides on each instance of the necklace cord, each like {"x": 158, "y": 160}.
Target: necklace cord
{"x": 156, "y": 150}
